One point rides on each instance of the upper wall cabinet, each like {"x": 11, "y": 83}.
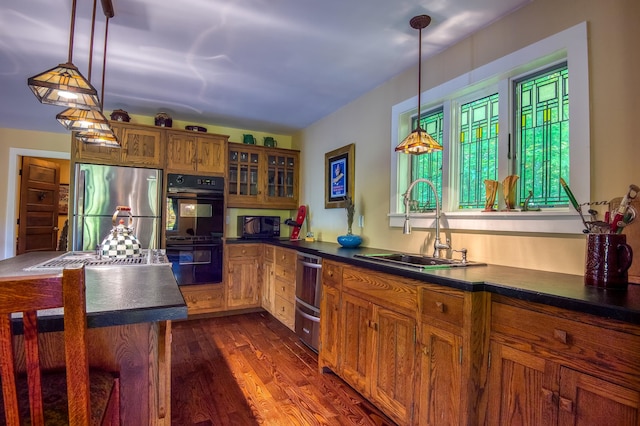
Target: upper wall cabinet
{"x": 196, "y": 152}
{"x": 261, "y": 177}
{"x": 140, "y": 146}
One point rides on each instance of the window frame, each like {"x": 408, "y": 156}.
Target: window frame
{"x": 570, "y": 45}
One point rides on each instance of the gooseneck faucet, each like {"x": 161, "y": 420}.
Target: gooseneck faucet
{"x": 437, "y": 244}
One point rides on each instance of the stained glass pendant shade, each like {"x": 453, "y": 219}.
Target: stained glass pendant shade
{"x": 419, "y": 141}
{"x": 64, "y": 85}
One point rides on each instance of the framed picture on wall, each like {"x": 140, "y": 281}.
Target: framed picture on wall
{"x": 339, "y": 176}
{"x": 63, "y": 199}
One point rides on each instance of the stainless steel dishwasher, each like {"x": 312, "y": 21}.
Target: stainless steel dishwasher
{"x": 308, "y": 293}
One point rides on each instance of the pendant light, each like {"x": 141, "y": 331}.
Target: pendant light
{"x": 419, "y": 141}
{"x": 64, "y": 85}
{"x": 98, "y": 135}
{"x": 77, "y": 119}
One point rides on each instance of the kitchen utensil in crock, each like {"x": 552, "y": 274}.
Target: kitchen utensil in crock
{"x": 120, "y": 243}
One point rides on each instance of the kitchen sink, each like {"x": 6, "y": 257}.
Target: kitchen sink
{"x": 417, "y": 261}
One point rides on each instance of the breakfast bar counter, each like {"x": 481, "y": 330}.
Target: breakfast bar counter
{"x": 129, "y": 314}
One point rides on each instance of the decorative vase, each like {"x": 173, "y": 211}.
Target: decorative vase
{"x": 491, "y": 187}
{"x": 349, "y": 240}
{"x": 162, "y": 119}
{"x": 509, "y": 190}
{"x": 120, "y": 115}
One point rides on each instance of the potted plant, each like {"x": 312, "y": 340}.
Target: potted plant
{"x": 350, "y": 240}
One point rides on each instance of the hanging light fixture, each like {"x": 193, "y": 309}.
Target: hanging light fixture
{"x": 98, "y": 135}
{"x": 419, "y": 141}
{"x": 78, "y": 119}
{"x": 64, "y": 85}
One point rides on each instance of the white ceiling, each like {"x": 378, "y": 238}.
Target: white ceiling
{"x": 266, "y": 65}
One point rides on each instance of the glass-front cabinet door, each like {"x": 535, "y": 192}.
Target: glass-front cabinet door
{"x": 262, "y": 177}
{"x": 282, "y": 178}
{"x": 244, "y": 176}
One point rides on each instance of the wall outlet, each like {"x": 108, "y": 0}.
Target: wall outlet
{"x": 361, "y": 221}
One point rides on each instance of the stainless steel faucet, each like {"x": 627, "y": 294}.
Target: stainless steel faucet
{"x": 437, "y": 244}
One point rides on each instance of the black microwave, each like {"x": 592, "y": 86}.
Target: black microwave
{"x": 259, "y": 226}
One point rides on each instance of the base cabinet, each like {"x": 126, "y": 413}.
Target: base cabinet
{"x": 268, "y": 291}
{"x": 330, "y": 308}
{"x": 243, "y": 275}
{"x": 285, "y": 286}
{"x": 554, "y": 367}
{"x": 439, "y": 374}
{"x": 371, "y": 346}
{"x": 204, "y": 298}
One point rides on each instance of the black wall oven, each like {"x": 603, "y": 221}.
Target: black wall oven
{"x": 194, "y": 228}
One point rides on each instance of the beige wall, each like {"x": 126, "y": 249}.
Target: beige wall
{"x": 614, "y": 61}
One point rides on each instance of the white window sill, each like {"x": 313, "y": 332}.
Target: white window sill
{"x": 546, "y": 221}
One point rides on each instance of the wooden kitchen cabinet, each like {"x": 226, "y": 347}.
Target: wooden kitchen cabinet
{"x": 268, "y": 290}
{"x": 439, "y": 390}
{"x": 285, "y": 286}
{"x": 556, "y": 367}
{"x": 243, "y": 275}
{"x": 191, "y": 152}
{"x": 204, "y": 298}
{"x": 378, "y": 340}
{"x": 261, "y": 177}
{"x": 141, "y": 146}
{"x": 330, "y": 308}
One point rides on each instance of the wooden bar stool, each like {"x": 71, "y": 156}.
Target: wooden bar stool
{"x": 87, "y": 398}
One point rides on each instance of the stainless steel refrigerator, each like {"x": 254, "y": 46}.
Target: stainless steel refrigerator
{"x": 99, "y": 190}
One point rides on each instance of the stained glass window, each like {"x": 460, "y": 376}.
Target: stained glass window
{"x": 478, "y": 150}
{"x": 427, "y": 166}
{"x": 542, "y": 131}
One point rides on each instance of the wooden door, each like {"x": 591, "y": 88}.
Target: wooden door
{"x": 439, "y": 372}
{"x": 242, "y": 283}
{"x": 355, "y": 341}
{"x": 523, "y": 388}
{"x": 329, "y": 326}
{"x": 589, "y": 401}
{"x": 393, "y": 363}
{"x": 39, "y": 194}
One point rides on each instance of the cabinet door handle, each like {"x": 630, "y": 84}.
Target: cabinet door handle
{"x": 440, "y": 306}
{"x": 560, "y": 335}
{"x": 566, "y": 405}
{"x": 330, "y": 273}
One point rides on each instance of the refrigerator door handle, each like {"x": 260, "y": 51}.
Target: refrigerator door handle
{"x": 78, "y": 209}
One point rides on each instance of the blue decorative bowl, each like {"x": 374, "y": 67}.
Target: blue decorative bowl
{"x": 350, "y": 240}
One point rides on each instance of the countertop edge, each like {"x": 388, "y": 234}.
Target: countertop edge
{"x": 554, "y": 289}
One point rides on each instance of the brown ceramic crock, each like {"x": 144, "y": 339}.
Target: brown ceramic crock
{"x": 608, "y": 257}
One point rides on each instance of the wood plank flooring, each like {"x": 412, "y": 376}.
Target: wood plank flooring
{"x": 251, "y": 370}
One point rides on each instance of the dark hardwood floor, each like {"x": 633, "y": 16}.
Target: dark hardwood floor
{"x": 251, "y": 370}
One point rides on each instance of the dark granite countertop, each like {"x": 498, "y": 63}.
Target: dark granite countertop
{"x": 115, "y": 295}
{"x": 555, "y": 289}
